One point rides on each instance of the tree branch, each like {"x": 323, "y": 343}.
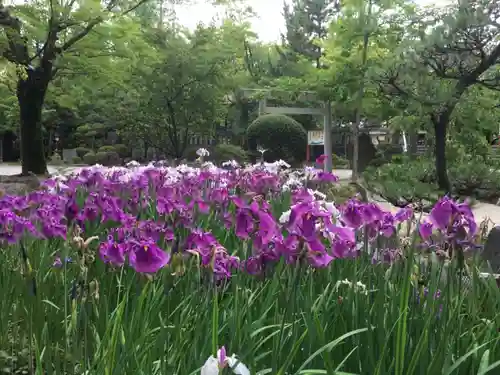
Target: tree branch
{"x": 486, "y": 63}
{"x": 391, "y": 87}
{"x": 81, "y": 34}
{"x": 92, "y": 23}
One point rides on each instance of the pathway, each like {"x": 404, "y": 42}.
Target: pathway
{"x": 12, "y": 169}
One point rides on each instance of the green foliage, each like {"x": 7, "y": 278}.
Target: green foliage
{"x": 101, "y": 157}
{"x": 281, "y": 136}
{"x": 339, "y": 192}
{"x": 404, "y": 181}
{"x": 174, "y": 83}
{"x": 82, "y": 151}
{"x": 90, "y": 158}
{"x": 386, "y": 153}
{"x": 38, "y": 55}
{"x": 122, "y": 150}
{"x": 306, "y": 25}
{"x": 413, "y": 181}
{"x": 9, "y": 112}
{"x": 224, "y": 152}
{"x": 107, "y": 148}
{"x": 107, "y": 158}
{"x": 184, "y": 92}
{"x": 339, "y": 162}
{"x": 56, "y": 159}
{"x": 77, "y": 160}
{"x": 159, "y": 85}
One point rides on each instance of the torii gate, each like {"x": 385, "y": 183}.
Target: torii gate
{"x": 325, "y": 111}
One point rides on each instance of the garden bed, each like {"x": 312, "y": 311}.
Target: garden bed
{"x": 154, "y": 270}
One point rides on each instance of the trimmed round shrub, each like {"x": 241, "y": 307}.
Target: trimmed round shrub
{"x": 114, "y": 159}
{"x": 282, "y": 137}
{"x": 108, "y": 158}
{"x": 122, "y": 150}
{"x": 101, "y": 157}
{"x": 225, "y": 152}
{"x": 90, "y": 158}
{"x": 82, "y": 151}
{"x": 56, "y": 159}
{"x": 106, "y": 148}
{"x": 77, "y": 160}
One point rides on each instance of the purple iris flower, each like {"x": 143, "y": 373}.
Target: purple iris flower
{"x": 146, "y": 257}
{"x": 112, "y": 252}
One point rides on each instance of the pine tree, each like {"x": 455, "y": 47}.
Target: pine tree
{"x": 306, "y": 23}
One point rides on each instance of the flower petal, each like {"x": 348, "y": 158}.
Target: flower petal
{"x": 237, "y": 367}
{"x": 210, "y": 367}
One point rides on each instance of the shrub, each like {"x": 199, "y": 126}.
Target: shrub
{"x": 108, "y": 158}
{"x": 339, "y": 162}
{"x": 474, "y": 177}
{"x": 225, "y": 152}
{"x": 386, "y": 153}
{"x": 411, "y": 181}
{"x": 107, "y": 148}
{"x": 282, "y": 137}
{"x": 122, "y": 150}
{"x": 77, "y": 160}
{"x": 113, "y": 159}
{"x": 90, "y": 158}
{"x": 401, "y": 183}
{"x": 82, "y": 151}
{"x": 56, "y": 159}
{"x": 101, "y": 157}
{"x": 339, "y": 193}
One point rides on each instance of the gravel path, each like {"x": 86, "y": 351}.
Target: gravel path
{"x": 11, "y": 169}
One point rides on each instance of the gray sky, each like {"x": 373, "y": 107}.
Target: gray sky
{"x": 268, "y": 24}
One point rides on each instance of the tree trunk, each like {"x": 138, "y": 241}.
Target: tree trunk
{"x": 359, "y": 104}
{"x": 412, "y": 143}
{"x": 440, "y": 129}
{"x": 51, "y": 144}
{"x": 31, "y": 95}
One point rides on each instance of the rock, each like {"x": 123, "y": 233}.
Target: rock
{"x": 18, "y": 184}
{"x": 13, "y": 189}
{"x": 491, "y": 251}
{"x": 31, "y": 179}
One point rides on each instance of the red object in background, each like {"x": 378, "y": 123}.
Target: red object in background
{"x": 496, "y": 141}
{"x": 321, "y": 159}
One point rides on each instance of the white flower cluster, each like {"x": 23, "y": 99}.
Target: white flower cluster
{"x": 358, "y": 287}
{"x": 202, "y": 152}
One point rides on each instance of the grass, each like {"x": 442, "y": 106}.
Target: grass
{"x": 297, "y": 321}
